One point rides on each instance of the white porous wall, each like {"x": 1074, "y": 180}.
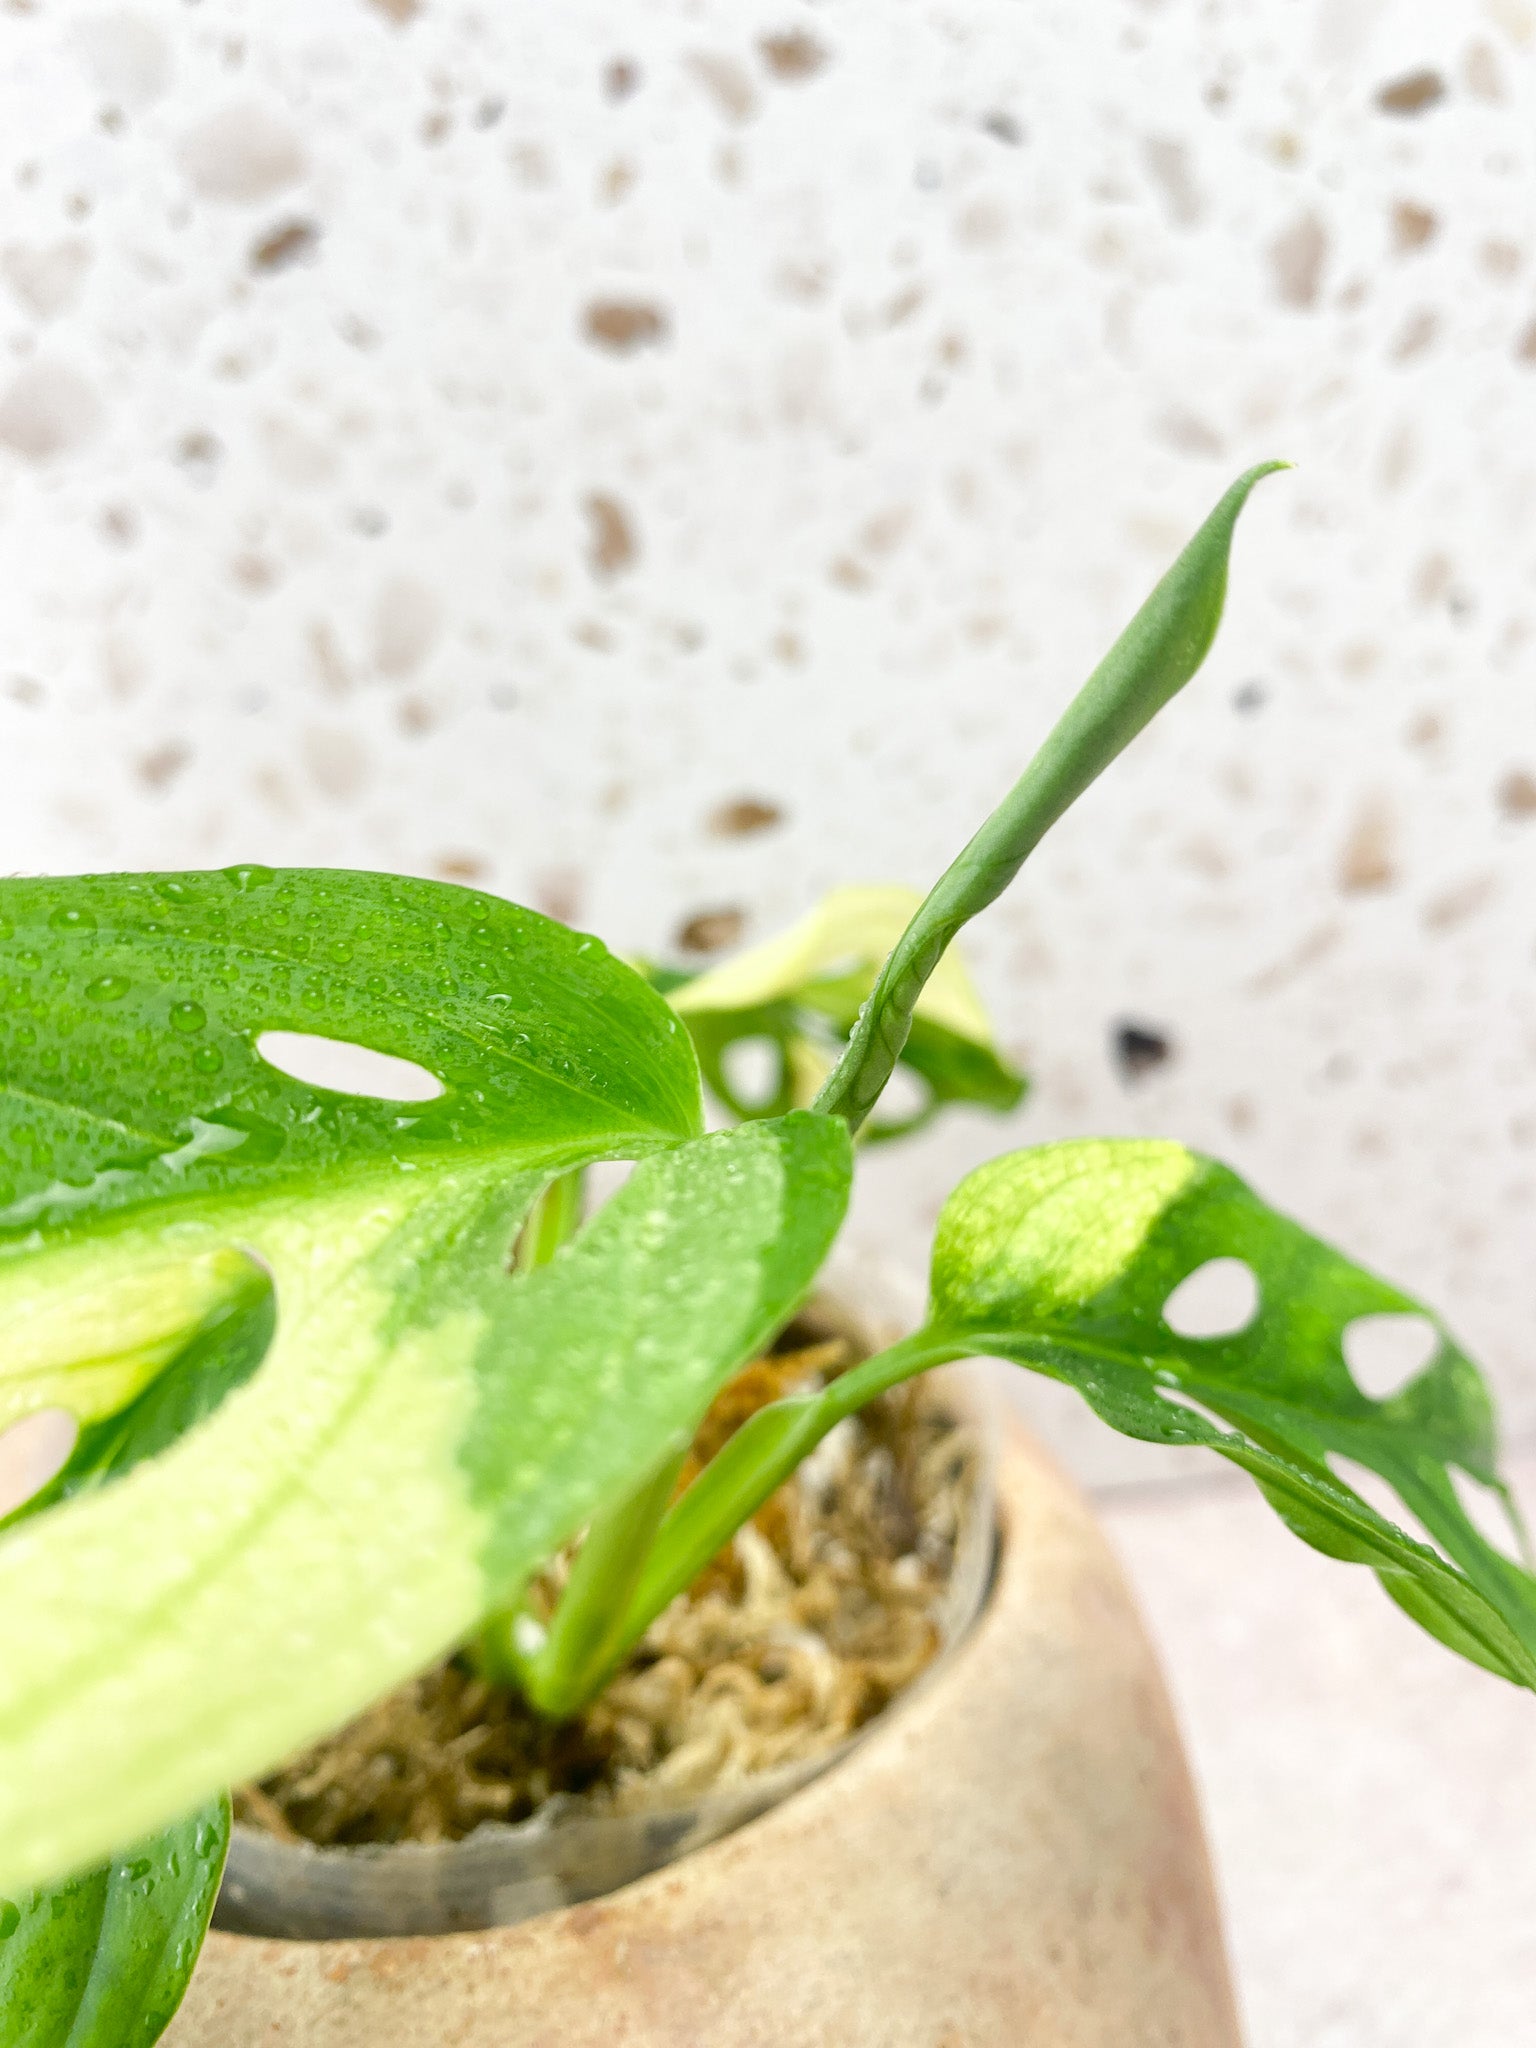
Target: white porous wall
{"x": 485, "y": 438}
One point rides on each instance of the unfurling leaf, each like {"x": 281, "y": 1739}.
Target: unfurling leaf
{"x": 1150, "y": 663}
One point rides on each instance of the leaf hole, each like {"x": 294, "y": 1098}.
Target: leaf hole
{"x": 1485, "y": 1510}
{"x": 905, "y": 1095}
{"x": 1217, "y": 1300}
{"x": 344, "y": 1068}
{"x": 32, "y": 1452}
{"x": 602, "y": 1182}
{"x": 752, "y": 1068}
{"x": 1384, "y": 1352}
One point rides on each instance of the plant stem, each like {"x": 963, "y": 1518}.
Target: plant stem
{"x": 1151, "y": 661}
{"x": 553, "y": 1219}
{"x": 587, "y": 1636}
{"x": 754, "y": 1463}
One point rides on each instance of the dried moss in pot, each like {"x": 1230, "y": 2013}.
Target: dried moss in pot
{"x": 839, "y": 1593}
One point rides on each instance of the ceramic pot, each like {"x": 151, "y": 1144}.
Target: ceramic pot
{"x": 1013, "y": 1855}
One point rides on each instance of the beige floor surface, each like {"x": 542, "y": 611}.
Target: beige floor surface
{"x": 1371, "y": 1800}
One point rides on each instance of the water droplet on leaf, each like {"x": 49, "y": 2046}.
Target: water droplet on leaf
{"x": 107, "y": 988}
{"x": 249, "y": 875}
{"x": 188, "y": 1017}
{"x": 67, "y": 918}
{"x": 207, "y": 1059}
{"x": 10, "y": 1918}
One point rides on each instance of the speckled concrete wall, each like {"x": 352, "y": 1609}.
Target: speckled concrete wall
{"x": 666, "y": 459}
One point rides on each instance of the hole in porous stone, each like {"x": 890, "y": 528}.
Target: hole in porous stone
{"x": 1384, "y": 1352}
{"x": 1139, "y": 1048}
{"x": 32, "y": 1452}
{"x": 711, "y": 931}
{"x": 751, "y": 1067}
{"x": 345, "y": 1068}
{"x": 1217, "y": 1300}
{"x": 1411, "y": 93}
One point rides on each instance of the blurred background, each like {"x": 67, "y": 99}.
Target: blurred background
{"x": 662, "y": 460}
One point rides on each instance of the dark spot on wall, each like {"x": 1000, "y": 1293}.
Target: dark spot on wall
{"x": 558, "y": 892}
{"x": 1412, "y": 226}
{"x": 159, "y": 768}
{"x": 1297, "y": 256}
{"x": 1454, "y": 906}
{"x": 1366, "y": 860}
{"x": 792, "y": 54}
{"x": 1525, "y": 347}
{"x": 1417, "y": 334}
{"x": 614, "y": 544}
{"x": 1188, "y": 433}
{"x": 417, "y": 716}
{"x": 199, "y": 453}
{"x": 621, "y": 77}
{"x": 1411, "y": 93}
{"x": 1480, "y": 68}
{"x": 624, "y": 326}
{"x": 461, "y": 867}
{"x": 295, "y": 241}
{"x": 711, "y": 931}
{"x": 1168, "y": 166}
{"x": 1139, "y": 1049}
{"x": 1250, "y": 696}
{"x": 743, "y": 816}
{"x": 119, "y": 524}
{"x": 397, "y": 11}
{"x": 728, "y": 84}
{"x": 1003, "y": 127}
{"x": 253, "y": 572}
{"x": 1517, "y": 794}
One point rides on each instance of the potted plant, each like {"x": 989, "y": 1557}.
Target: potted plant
{"x": 326, "y": 1437}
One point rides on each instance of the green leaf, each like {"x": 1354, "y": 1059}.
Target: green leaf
{"x": 1063, "y": 1259}
{"x": 159, "y": 1178}
{"x": 220, "y": 1355}
{"x": 102, "y": 1960}
{"x": 130, "y": 1007}
{"x": 801, "y": 992}
{"x": 424, "y": 1432}
{"x": 1151, "y": 661}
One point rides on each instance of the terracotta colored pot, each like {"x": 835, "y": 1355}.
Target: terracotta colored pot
{"x": 1013, "y": 1858}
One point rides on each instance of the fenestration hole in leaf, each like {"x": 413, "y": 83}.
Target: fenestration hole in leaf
{"x": 345, "y": 1068}
{"x": 1217, "y": 1300}
{"x": 906, "y": 1095}
{"x": 32, "y": 1451}
{"x": 1385, "y": 1352}
{"x": 751, "y": 1068}
{"x": 1487, "y": 1513}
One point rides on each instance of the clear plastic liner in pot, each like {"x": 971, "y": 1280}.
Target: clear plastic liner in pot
{"x": 569, "y": 1851}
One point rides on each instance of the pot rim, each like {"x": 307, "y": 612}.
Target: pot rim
{"x": 504, "y": 1873}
